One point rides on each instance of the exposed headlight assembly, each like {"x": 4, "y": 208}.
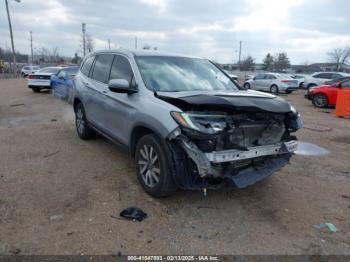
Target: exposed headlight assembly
{"x": 203, "y": 123}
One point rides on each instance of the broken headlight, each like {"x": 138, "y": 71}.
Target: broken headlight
{"x": 204, "y": 123}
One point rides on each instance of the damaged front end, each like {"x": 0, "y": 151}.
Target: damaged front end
{"x": 239, "y": 145}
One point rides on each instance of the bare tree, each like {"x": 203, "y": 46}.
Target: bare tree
{"x": 247, "y": 63}
{"x": 339, "y": 56}
{"x": 47, "y": 55}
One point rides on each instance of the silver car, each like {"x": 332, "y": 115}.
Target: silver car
{"x": 272, "y": 82}
{"x": 186, "y": 122}
{"x": 320, "y": 78}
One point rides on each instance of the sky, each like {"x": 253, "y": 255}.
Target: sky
{"x": 305, "y": 29}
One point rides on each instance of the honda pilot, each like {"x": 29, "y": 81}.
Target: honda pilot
{"x": 184, "y": 120}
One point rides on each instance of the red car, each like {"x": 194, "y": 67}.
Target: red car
{"x": 326, "y": 95}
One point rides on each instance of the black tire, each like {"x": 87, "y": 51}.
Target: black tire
{"x": 288, "y": 92}
{"x": 274, "y": 89}
{"x": 320, "y": 100}
{"x": 84, "y": 131}
{"x": 246, "y": 85}
{"x": 36, "y": 89}
{"x": 152, "y": 162}
{"x": 310, "y": 85}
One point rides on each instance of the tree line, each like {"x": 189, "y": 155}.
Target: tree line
{"x": 280, "y": 62}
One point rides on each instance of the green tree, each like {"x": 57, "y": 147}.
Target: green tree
{"x": 281, "y": 62}
{"x": 268, "y": 62}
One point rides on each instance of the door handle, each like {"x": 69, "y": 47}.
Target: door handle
{"x": 104, "y": 92}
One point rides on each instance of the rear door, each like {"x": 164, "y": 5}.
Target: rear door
{"x": 96, "y": 88}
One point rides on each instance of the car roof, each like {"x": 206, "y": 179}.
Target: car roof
{"x": 142, "y": 53}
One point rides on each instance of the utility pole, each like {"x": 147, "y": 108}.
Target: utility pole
{"x": 83, "y": 25}
{"x": 135, "y": 42}
{"x": 109, "y": 43}
{"x": 239, "y": 54}
{"x": 31, "y": 46}
{"x": 11, "y": 35}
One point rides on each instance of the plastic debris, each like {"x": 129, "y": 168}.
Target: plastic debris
{"x": 133, "y": 213}
{"x": 331, "y": 227}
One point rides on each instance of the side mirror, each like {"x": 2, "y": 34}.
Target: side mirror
{"x": 61, "y": 77}
{"x": 338, "y": 84}
{"x": 121, "y": 86}
{"x": 254, "y": 78}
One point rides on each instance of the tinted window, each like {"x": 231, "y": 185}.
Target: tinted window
{"x": 61, "y": 74}
{"x": 270, "y": 77}
{"x": 336, "y": 76}
{"x": 121, "y": 69}
{"x": 87, "y": 65}
{"x": 324, "y": 75}
{"x": 102, "y": 67}
{"x": 346, "y": 84}
{"x": 259, "y": 77}
{"x": 26, "y": 68}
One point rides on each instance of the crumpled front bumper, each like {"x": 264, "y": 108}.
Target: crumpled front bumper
{"x": 276, "y": 156}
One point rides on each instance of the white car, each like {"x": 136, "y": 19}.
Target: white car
{"x": 272, "y": 82}
{"x": 42, "y": 78}
{"x": 27, "y": 70}
{"x": 320, "y": 78}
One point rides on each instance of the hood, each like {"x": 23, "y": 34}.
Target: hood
{"x": 243, "y": 100}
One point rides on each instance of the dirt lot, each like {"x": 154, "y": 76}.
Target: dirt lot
{"x": 58, "y": 193}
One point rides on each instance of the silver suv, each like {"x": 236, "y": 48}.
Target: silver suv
{"x": 186, "y": 122}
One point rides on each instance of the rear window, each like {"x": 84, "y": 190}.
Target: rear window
{"x": 87, "y": 65}
{"x": 102, "y": 67}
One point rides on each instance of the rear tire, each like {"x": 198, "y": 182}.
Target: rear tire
{"x": 274, "y": 89}
{"x": 153, "y": 167}
{"x": 246, "y": 86}
{"x": 310, "y": 85}
{"x": 320, "y": 100}
{"x": 36, "y": 89}
{"x": 84, "y": 131}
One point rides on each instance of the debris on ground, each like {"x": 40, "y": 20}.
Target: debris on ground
{"x": 133, "y": 213}
{"x": 13, "y": 105}
{"x": 56, "y": 217}
{"x": 15, "y": 251}
{"x": 345, "y": 196}
{"x": 331, "y": 227}
{"x": 52, "y": 154}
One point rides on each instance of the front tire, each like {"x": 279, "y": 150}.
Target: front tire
{"x": 320, "y": 100}
{"x": 153, "y": 168}
{"x": 246, "y": 86}
{"x": 84, "y": 131}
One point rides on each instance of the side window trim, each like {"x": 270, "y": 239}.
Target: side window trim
{"x": 110, "y": 69}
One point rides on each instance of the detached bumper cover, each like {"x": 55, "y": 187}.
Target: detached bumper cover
{"x": 252, "y": 175}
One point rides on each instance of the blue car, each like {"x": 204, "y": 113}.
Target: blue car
{"x": 62, "y": 82}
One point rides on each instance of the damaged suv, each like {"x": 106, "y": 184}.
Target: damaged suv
{"x": 186, "y": 122}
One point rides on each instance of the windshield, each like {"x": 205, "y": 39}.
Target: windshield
{"x": 176, "y": 74}
{"x": 52, "y": 70}
{"x": 71, "y": 72}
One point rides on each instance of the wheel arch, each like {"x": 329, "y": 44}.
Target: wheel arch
{"x": 140, "y": 131}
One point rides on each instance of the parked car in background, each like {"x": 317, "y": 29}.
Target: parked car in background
{"x": 232, "y": 76}
{"x": 27, "y": 70}
{"x": 320, "y": 78}
{"x": 272, "y": 82}
{"x": 42, "y": 78}
{"x": 187, "y": 124}
{"x": 300, "y": 78}
{"x": 326, "y": 95}
{"x": 62, "y": 83}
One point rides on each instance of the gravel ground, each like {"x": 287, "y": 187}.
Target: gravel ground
{"x": 58, "y": 193}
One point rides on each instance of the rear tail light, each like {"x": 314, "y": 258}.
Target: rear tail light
{"x": 30, "y": 77}
{"x": 285, "y": 81}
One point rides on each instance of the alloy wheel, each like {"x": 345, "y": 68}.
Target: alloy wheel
{"x": 149, "y": 166}
{"x": 80, "y": 120}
